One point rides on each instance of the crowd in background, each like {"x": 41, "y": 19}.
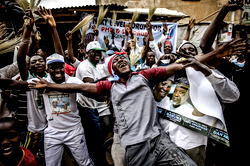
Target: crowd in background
{"x": 108, "y": 106}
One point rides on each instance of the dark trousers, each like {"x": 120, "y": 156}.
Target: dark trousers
{"x": 159, "y": 151}
{"x": 94, "y": 134}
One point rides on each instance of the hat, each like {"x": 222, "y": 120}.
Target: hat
{"x": 187, "y": 42}
{"x": 167, "y": 42}
{"x": 109, "y": 61}
{"x": 110, "y": 52}
{"x": 94, "y": 45}
{"x": 109, "y": 64}
{"x": 54, "y": 58}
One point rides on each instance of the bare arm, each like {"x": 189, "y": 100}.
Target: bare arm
{"x": 24, "y": 46}
{"x": 13, "y": 84}
{"x": 125, "y": 44}
{"x": 71, "y": 57}
{"x": 47, "y": 16}
{"x": 235, "y": 47}
{"x": 213, "y": 29}
{"x": 189, "y": 28}
{"x": 148, "y": 39}
{"x": 87, "y": 89}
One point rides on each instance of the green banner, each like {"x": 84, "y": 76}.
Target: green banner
{"x": 212, "y": 132}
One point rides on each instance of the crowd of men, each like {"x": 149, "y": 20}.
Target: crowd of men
{"x": 123, "y": 107}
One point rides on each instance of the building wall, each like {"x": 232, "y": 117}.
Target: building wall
{"x": 198, "y": 9}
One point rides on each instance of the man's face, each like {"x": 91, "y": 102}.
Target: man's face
{"x": 106, "y": 40}
{"x": 150, "y": 59}
{"x": 94, "y": 56}
{"x": 167, "y": 48}
{"x": 133, "y": 43}
{"x": 37, "y": 64}
{"x": 162, "y": 89}
{"x": 180, "y": 95}
{"x": 9, "y": 140}
{"x": 56, "y": 71}
{"x": 120, "y": 65}
{"x": 189, "y": 49}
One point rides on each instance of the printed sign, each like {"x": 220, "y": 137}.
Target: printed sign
{"x": 59, "y": 104}
{"x": 245, "y": 16}
{"x": 175, "y": 104}
{"x": 139, "y": 30}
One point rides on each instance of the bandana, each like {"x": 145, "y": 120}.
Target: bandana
{"x": 110, "y": 59}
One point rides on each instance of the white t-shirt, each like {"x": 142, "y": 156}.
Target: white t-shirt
{"x": 181, "y": 136}
{"x": 61, "y": 108}
{"x": 84, "y": 70}
{"x": 37, "y": 121}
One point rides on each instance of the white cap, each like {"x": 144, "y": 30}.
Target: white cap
{"x": 94, "y": 45}
{"x": 54, "y": 58}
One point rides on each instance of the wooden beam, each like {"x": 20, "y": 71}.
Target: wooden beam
{"x": 64, "y": 15}
{"x": 62, "y": 22}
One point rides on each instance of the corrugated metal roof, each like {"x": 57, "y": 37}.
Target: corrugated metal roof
{"x": 113, "y": 2}
{"x": 158, "y": 11}
{"x": 57, "y": 4}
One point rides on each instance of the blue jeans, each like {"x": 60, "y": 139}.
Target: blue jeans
{"x": 159, "y": 151}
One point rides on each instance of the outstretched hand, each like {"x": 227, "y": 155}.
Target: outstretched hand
{"x": 234, "y": 5}
{"x": 47, "y": 16}
{"x": 28, "y": 19}
{"x": 41, "y": 84}
{"x": 194, "y": 63}
{"x": 235, "y": 47}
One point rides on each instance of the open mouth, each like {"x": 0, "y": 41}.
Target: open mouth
{"x": 6, "y": 151}
{"x": 163, "y": 92}
{"x": 122, "y": 65}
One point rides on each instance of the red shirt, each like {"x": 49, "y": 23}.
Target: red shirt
{"x": 70, "y": 70}
{"x": 153, "y": 75}
{"x": 28, "y": 159}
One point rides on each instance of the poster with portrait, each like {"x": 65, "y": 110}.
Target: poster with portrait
{"x": 245, "y": 14}
{"x": 59, "y": 104}
{"x": 190, "y": 101}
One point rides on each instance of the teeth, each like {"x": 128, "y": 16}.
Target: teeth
{"x": 7, "y": 149}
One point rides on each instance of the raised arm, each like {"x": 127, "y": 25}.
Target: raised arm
{"x": 125, "y": 44}
{"x": 149, "y": 38}
{"x": 189, "y": 28}
{"x": 213, "y": 29}
{"x": 48, "y": 17}
{"x": 235, "y": 47}
{"x": 24, "y": 46}
{"x": 85, "y": 88}
{"x": 71, "y": 57}
{"x": 96, "y": 32}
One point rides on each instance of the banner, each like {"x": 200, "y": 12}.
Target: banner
{"x": 191, "y": 102}
{"x": 212, "y": 132}
{"x": 245, "y": 15}
{"x": 139, "y": 30}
